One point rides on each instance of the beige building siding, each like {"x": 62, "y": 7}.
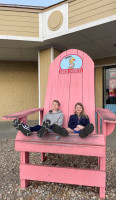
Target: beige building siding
{"x": 45, "y": 61}
{"x": 81, "y": 12}
{"x": 105, "y": 61}
{"x": 18, "y": 23}
{"x": 18, "y": 87}
{"x": 99, "y": 87}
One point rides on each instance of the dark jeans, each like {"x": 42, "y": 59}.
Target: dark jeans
{"x": 36, "y": 128}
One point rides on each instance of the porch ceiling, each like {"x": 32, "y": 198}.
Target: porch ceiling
{"x": 98, "y": 42}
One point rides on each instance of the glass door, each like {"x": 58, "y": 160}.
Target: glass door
{"x": 110, "y": 88}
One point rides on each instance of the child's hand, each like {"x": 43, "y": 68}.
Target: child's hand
{"x": 80, "y": 127}
{"x": 77, "y": 129}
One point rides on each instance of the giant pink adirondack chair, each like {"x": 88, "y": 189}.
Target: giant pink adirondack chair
{"x": 71, "y": 80}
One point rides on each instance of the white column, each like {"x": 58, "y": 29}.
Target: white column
{"x": 39, "y": 88}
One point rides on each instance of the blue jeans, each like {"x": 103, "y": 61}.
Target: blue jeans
{"x": 76, "y": 131}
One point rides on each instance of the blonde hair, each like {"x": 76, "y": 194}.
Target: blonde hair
{"x": 83, "y": 112}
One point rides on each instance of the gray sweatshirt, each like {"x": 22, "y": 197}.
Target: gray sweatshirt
{"x": 55, "y": 118}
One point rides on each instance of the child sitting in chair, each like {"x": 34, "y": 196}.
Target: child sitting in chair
{"x": 52, "y": 121}
{"x": 79, "y": 122}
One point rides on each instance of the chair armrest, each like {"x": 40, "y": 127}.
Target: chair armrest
{"x": 22, "y": 114}
{"x": 106, "y": 115}
{"x": 108, "y": 121}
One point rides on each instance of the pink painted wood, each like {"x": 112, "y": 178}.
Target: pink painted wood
{"x": 108, "y": 119}
{"x": 91, "y": 146}
{"x": 56, "y": 174}
{"x": 24, "y": 160}
{"x": 69, "y": 89}
{"x": 22, "y": 114}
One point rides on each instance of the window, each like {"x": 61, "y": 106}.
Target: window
{"x": 109, "y": 85}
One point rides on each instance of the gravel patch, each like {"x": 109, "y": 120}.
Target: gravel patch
{"x": 10, "y": 183}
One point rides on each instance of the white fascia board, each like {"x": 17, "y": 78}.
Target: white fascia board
{"x": 9, "y": 37}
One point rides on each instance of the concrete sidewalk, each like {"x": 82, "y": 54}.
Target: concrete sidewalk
{"x": 7, "y": 131}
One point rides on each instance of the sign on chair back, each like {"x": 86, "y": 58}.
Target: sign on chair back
{"x": 70, "y": 80}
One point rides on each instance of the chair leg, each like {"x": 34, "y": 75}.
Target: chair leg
{"x": 102, "y": 193}
{"x": 98, "y": 133}
{"x": 102, "y": 168}
{"x": 98, "y": 125}
{"x": 24, "y": 160}
{"x": 43, "y": 157}
{"x": 24, "y": 183}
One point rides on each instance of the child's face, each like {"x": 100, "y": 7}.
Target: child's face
{"x": 55, "y": 106}
{"x": 78, "y": 109}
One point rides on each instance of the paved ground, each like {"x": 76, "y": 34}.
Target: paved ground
{"x": 7, "y": 131}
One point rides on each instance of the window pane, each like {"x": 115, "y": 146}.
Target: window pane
{"x": 110, "y": 86}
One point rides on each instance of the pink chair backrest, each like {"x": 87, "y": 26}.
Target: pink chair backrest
{"x": 71, "y": 80}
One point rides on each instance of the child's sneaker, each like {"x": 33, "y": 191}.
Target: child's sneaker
{"x": 59, "y": 130}
{"x": 44, "y": 129}
{"x": 25, "y": 129}
{"x": 86, "y": 131}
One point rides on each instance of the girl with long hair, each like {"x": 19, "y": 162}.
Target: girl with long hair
{"x": 79, "y": 122}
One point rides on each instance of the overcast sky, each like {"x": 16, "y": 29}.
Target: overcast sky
{"x": 31, "y": 2}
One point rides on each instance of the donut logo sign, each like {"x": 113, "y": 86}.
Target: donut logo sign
{"x": 71, "y": 64}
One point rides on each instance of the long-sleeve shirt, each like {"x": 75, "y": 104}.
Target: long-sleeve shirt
{"x": 75, "y": 120}
{"x": 55, "y": 118}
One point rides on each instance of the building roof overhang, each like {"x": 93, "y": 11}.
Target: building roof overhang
{"x": 98, "y": 42}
